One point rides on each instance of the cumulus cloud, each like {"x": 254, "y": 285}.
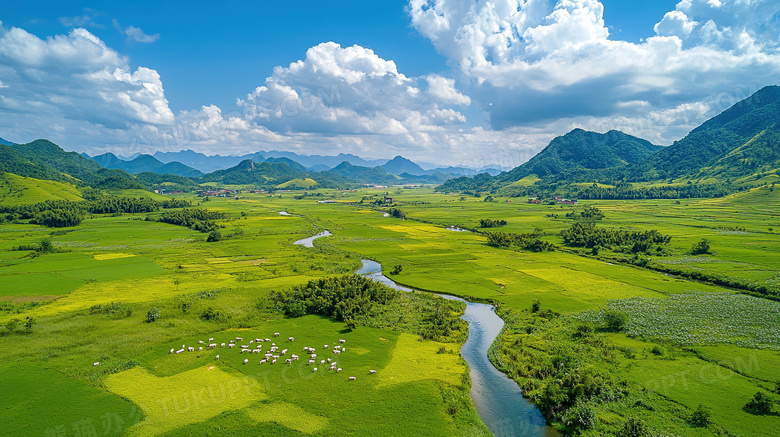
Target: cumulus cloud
{"x": 135, "y": 34}
{"x": 351, "y": 91}
{"x": 76, "y": 76}
{"x": 531, "y": 61}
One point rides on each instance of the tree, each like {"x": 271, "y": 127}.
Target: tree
{"x": 760, "y": 404}
{"x": 615, "y": 321}
{"x": 397, "y": 269}
{"x": 777, "y": 387}
{"x": 152, "y": 315}
{"x": 635, "y": 428}
{"x": 535, "y": 306}
{"x": 701, "y": 416}
{"x": 701, "y": 248}
{"x": 214, "y": 236}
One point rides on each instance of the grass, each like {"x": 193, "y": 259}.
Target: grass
{"x": 143, "y": 264}
{"x": 20, "y": 190}
{"x": 40, "y": 401}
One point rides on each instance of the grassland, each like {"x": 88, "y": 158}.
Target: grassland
{"x": 144, "y": 264}
{"x": 19, "y": 190}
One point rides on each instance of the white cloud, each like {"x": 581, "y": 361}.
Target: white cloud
{"x": 76, "y": 76}
{"x": 532, "y": 61}
{"x": 135, "y": 34}
{"x": 352, "y": 91}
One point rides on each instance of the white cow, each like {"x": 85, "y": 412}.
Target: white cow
{"x": 96, "y": 364}
{"x": 352, "y": 378}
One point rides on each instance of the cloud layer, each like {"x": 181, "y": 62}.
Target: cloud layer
{"x": 537, "y": 61}
{"x": 76, "y": 77}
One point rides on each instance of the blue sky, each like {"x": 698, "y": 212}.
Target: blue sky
{"x": 434, "y": 80}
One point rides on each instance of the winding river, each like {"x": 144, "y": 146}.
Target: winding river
{"x": 499, "y": 401}
{"x": 309, "y": 242}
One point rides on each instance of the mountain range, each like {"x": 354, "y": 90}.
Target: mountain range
{"x": 739, "y": 145}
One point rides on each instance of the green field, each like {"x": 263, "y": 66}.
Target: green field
{"x": 138, "y": 264}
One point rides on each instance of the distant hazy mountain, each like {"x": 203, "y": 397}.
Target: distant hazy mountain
{"x": 399, "y": 165}
{"x": 5, "y": 142}
{"x": 204, "y": 163}
{"x": 364, "y": 175}
{"x": 146, "y": 163}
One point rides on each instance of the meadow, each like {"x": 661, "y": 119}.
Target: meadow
{"x": 223, "y": 289}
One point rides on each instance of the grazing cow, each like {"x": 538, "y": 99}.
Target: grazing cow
{"x": 291, "y": 339}
{"x": 239, "y": 339}
{"x": 322, "y": 362}
{"x": 191, "y": 349}
{"x": 258, "y": 340}
{"x": 343, "y": 349}
{"x": 268, "y": 340}
{"x": 246, "y": 361}
{"x": 306, "y": 348}
{"x": 212, "y": 345}
{"x": 231, "y": 341}
{"x": 342, "y": 341}
{"x": 352, "y": 378}
{"x": 325, "y": 346}
{"x": 372, "y": 372}
{"x": 217, "y": 357}
{"x": 273, "y": 361}
{"x": 211, "y": 339}
{"x": 96, "y": 364}
{"x": 180, "y": 351}
{"x": 329, "y": 360}
{"x": 339, "y": 370}
{"x": 288, "y": 361}
{"x": 222, "y": 345}
{"x": 294, "y": 357}
{"x": 263, "y": 361}
{"x": 200, "y": 342}
{"x": 232, "y": 345}
{"x": 336, "y": 352}
{"x": 276, "y": 334}
{"x": 284, "y": 351}
{"x": 172, "y": 350}
{"x": 200, "y": 348}
{"x": 315, "y": 370}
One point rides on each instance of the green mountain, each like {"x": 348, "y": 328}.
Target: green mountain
{"x": 584, "y": 150}
{"x": 43, "y": 159}
{"x": 250, "y": 173}
{"x": 293, "y": 165}
{"x": 363, "y": 175}
{"x": 715, "y": 139}
{"x": 399, "y": 165}
{"x": 759, "y": 155}
{"x": 5, "y": 142}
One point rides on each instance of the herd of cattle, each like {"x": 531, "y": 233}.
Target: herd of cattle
{"x": 273, "y": 353}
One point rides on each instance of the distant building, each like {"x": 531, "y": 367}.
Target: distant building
{"x": 534, "y": 200}
{"x": 326, "y": 201}
{"x": 388, "y": 199}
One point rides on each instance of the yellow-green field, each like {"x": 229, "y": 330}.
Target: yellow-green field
{"x": 142, "y": 264}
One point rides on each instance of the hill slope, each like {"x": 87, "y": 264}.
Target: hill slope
{"x": 21, "y": 190}
{"x": 584, "y": 150}
{"x": 146, "y": 163}
{"x": 715, "y": 139}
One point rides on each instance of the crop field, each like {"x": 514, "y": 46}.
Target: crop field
{"x": 90, "y": 301}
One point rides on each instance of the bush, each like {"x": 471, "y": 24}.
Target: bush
{"x": 152, "y": 315}
{"x": 584, "y": 417}
{"x": 760, "y": 404}
{"x": 212, "y": 315}
{"x": 701, "y": 416}
{"x": 214, "y": 236}
{"x": 635, "y": 428}
{"x": 397, "y": 269}
{"x": 536, "y": 305}
{"x": 615, "y": 321}
{"x": 658, "y": 351}
{"x": 701, "y": 248}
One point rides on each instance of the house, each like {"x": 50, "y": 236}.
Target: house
{"x": 326, "y": 201}
{"x": 388, "y": 199}
{"x": 534, "y": 200}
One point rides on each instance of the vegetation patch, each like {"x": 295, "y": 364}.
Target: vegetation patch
{"x": 700, "y": 319}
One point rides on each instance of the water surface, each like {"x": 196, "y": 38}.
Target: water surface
{"x": 309, "y": 242}
{"x": 499, "y": 401}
